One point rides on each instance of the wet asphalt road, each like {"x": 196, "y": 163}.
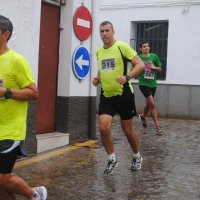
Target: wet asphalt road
{"x": 170, "y": 170}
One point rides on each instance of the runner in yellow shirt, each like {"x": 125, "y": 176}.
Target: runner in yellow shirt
{"x": 117, "y": 94}
{"x": 17, "y": 87}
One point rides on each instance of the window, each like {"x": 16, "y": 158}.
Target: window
{"x": 156, "y": 33}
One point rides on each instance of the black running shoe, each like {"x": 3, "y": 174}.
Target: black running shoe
{"x": 143, "y": 120}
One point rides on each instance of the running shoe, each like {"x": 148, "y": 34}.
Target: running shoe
{"x": 110, "y": 166}
{"x": 143, "y": 120}
{"x": 40, "y": 193}
{"x": 136, "y": 163}
{"x": 158, "y": 130}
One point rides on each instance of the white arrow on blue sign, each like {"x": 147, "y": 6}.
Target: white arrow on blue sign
{"x": 81, "y": 62}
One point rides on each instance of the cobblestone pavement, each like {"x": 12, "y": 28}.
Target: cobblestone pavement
{"x": 170, "y": 171}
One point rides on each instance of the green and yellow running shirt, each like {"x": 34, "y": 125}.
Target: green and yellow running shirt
{"x": 149, "y": 77}
{"x": 111, "y": 65}
{"x": 15, "y": 73}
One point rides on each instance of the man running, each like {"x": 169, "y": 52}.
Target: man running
{"x": 148, "y": 83}
{"x": 17, "y": 87}
{"x": 117, "y": 94}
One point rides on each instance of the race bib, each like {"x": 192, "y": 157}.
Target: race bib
{"x": 108, "y": 64}
{"x": 149, "y": 75}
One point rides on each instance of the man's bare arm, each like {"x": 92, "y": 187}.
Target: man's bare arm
{"x": 25, "y": 94}
{"x": 138, "y": 67}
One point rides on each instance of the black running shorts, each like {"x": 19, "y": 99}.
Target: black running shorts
{"x": 147, "y": 91}
{"x": 124, "y": 105}
{"x": 7, "y": 160}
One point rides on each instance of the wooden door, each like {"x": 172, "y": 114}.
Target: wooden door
{"x": 48, "y": 68}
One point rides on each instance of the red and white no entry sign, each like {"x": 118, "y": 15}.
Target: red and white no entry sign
{"x": 82, "y": 23}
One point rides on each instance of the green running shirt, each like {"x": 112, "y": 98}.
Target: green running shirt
{"x": 148, "y": 77}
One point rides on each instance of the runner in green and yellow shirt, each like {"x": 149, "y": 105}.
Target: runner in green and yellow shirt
{"x": 117, "y": 94}
{"x": 17, "y": 87}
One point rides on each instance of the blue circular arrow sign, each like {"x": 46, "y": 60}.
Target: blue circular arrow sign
{"x": 81, "y": 62}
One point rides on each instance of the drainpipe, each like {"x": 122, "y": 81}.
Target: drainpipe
{"x": 93, "y": 72}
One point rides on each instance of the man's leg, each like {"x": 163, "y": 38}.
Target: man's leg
{"x": 131, "y": 134}
{"x": 146, "y": 110}
{"x": 8, "y": 182}
{"x": 144, "y": 115}
{"x": 153, "y": 111}
{"x": 105, "y": 122}
{"x": 6, "y": 195}
{"x": 11, "y": 184}
{"x": 146, "y": 91}
{"x": 15, "y": 185}
{"x": 132, "y": 137}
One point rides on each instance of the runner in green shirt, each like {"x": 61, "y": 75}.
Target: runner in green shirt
{"x": 148, "y": 83}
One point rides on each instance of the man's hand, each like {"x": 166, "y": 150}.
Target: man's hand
{"x": 154, "y": 68}
{"x": 121, "y": 80}
{"x": 95, "y": 81}
{"x": 2, "y": 92}
{"x": 25, "y": 94}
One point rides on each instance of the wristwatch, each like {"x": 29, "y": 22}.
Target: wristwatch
{"x": 8, "y": 93}
{"x": 128, "y": 78}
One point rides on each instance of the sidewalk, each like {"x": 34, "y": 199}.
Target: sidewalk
{"x": 170, "y": 171}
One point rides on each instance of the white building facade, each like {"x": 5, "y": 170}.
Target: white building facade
{"x": 178, "y": 93}
{"x": 71, "y": 113}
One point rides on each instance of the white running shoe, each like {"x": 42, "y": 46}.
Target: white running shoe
{"x": 136, "y": 163}
{"x": 110, "y": 166}
{"x": 40, "y": 193}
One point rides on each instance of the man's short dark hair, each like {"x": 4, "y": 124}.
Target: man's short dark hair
{"x": 107, "y": 22}
{"x": 143, "y": 42}
{"x": 6, "y": 25}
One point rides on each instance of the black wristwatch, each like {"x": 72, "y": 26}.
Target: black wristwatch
{"x": 128, "y": 78}
{"x": 8, "y": 94}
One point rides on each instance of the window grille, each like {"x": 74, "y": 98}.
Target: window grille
{"x": 156, "y": 33}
